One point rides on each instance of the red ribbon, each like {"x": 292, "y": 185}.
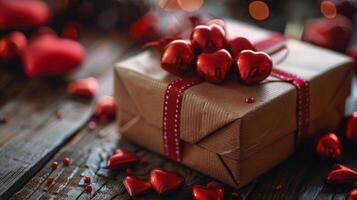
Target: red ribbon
{"x": 175, "y": 90}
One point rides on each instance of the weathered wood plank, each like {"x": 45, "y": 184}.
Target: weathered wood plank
{"x": 33, "y": 133}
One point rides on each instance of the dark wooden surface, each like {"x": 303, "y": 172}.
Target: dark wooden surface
{"x": 34, "y": 137}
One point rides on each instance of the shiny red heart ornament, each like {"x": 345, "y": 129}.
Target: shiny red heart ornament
{"x": 341, "y": 174}
{"x": 121, "y": 158}
{"x": 164, "y": 181}
{"x": 351, "y": 130}
{"x": 208, "y": 38}
{"x": 214, "y": 66}
{"x": 12, "y": 46}
{"x": 84, "y": 87}
{"x": 23, "y": 14}
{"x": 253, "y": 67}
{"x": 136, "y": 186}
{"x": 212, "y": 191}
{"x": 239, "y": 44}
{"x": 352, "y": 195}
{"x": 105, "y": 108}
{"x": 48, "y": 55}
{"x": 329, "y": 146}
{"x": 178, "y": 57}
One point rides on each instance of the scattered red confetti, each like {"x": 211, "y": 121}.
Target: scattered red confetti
{"x": 84, "y": 87}
{"x": 235, "y": 195}
{"x": 87, "y": 179}
{"x": 329, "y": 146}
{"x": 66, "y": 161}
{"x": 54, "y": 165}
{"x": 278, "y": 186}
{"x": 59, "y": 114}
{"x": 129, "y": 170}
{"x": 249, "y": 100}
{"x": 3, "y": 120}
{"x": 50, "y": 180}
{"x": 105, "y": 108}
{"x": 92, "y": 125}
{"x": 88, "y": 188}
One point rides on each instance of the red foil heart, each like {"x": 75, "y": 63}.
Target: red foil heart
{"x": 351, "y": 130}
{"x": 352, "y": 195}
{"x": 136, "y": 186}
{"x": 214, "y": 66}
{"x": 105, "y": 108}
{"x": 48, "y": 55}
{"x": 178, "y": 57}
{"x": 121, "y": 158}
{"x": 253, "y": 67}
{"x": 212, "y": 191}
{"x": 164, "y": 181}
{"x": 239, "y": 44}
{"x": 12, "y": 46}
{"x": 84, "y": 87}
{"x": 329, "y": 146}
{"x": 208, "y": 38}
{"x": 341, "y": 174}
{"x": 20, "y": 14}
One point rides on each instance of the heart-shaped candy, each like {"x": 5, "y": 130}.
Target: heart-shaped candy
{"x": 23, "y": 14}
{"x": 208, "y": 38}
{"x": 253, "y": 67}
{"x": 84, "y": 87}
{"x": 341, "y": 174}
{"x": 352, "y": 195}
{"x": 48, "y": 55}
{"x": 214, "y": 66}
{"x": 329, "y": 146}
{"x": 178, "y": 57}
{"x": 136, "y": 186}
{"x": 121, "y": 158}
{"x": 210, "y": 192}
{"x": 351, "y": 130}
{"x": 239, "y": 44}
{"x": 164, "y": 181}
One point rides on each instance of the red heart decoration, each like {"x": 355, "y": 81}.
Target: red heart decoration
{"x": 164, "y": 181}
{"x": 208, "y": 38}
{"x": 352, "y": 195}
{"x": 84, "y": 87}
{"x": 253, "y": 67}
{"x": 214, "y": 66}
{"x": 178, "y": 57}
{"x": 341, "y": 174}
{"x": 351, "y": 131}
{"x": 23, "y": 14}
{"x": 212, "y": 191}
{"x": 48, "y": 55}
{"x": 239, "y": 44}
{"x": 329, "y": 146}
{"x": 12, "y": 46}
{"x": 121, "y": 158}
{"x": 136, "y": 186}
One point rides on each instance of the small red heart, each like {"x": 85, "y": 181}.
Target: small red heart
{"x": 253, "y": 67}
{"x": 48, "y": 55}
{"x": 208, "y": 38}
{"x": 178, "y": 57}
{"x": 214, "y": 66}
{"x": 136, "y": 186}
{"x": 329, "y": 146}
{"x": 84, "y": 87}
{"x": 352, "y": 195}
{"x": 105, "y": 108}
{"x": 341, "y": 174}
{"x": 164, "y": 181}
{"x": 239, "y": 44}
{"x": 212, "y": 191}
{"x": 23, "y": 14}
{"x": 351, "y": 131}
{"x": 121, "y": 158}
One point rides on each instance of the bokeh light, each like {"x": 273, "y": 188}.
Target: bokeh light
{"x": 328, "y": 9}
{"x": 190, "y": 5}
{"x": 168, "y": 5}
{"x": 259, "y": 10}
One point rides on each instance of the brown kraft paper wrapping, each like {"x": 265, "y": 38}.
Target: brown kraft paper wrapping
{"x": 222, "y": 136}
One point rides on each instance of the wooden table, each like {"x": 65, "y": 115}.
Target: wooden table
{"x": 34, "y": 137}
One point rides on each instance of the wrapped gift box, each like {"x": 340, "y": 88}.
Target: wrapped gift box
{"x": 222, "y": 136}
